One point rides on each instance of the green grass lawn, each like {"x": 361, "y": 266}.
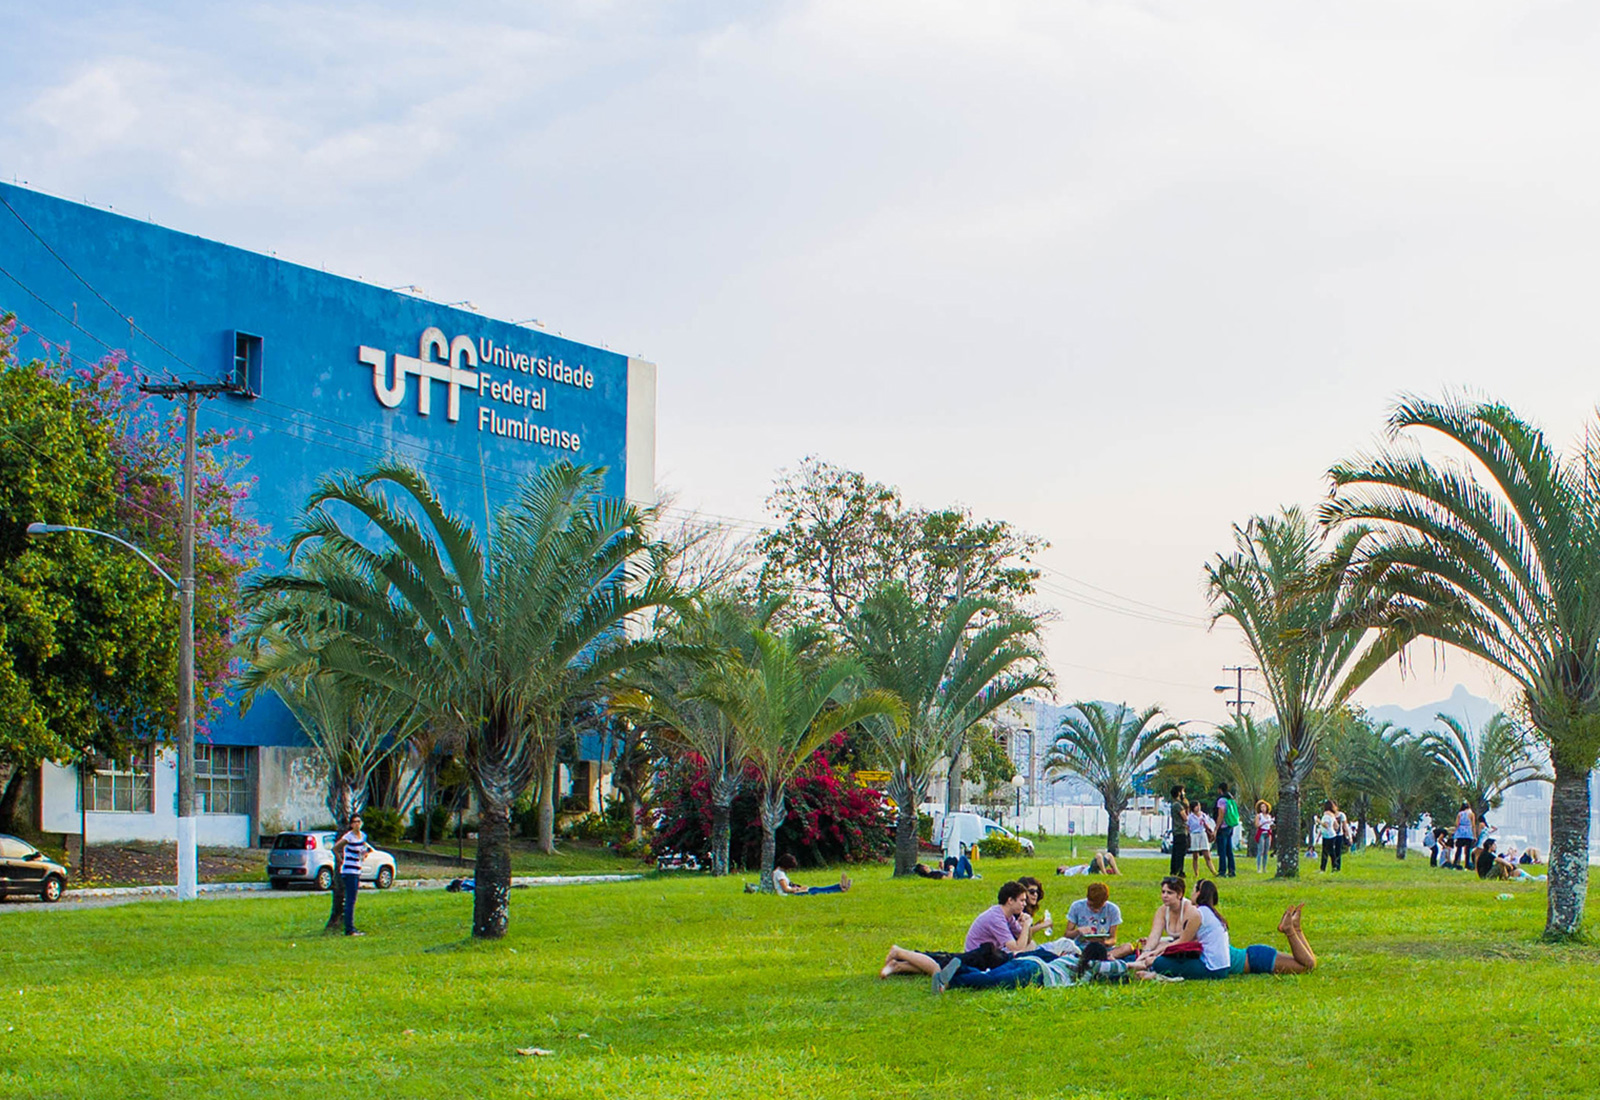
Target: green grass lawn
{"x": 1429, "y": 985}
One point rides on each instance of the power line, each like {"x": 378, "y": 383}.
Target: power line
{"x": 132, "y": 325}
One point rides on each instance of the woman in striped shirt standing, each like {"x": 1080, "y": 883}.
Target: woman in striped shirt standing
{"x": 350, "y": 850}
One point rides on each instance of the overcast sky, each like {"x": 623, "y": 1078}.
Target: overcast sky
{"x": 1120, "y": 273}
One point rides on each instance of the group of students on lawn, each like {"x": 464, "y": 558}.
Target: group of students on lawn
{"x": 1473, "y": 847}
{"x": 1189, "y": 939}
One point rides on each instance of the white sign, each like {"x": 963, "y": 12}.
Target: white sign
{"x": 455, "y": 363}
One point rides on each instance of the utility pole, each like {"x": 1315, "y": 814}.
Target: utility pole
{"x": 952, "y": 787}
{"x": 188, "y": 853}
{"x": 1238, "y": 700}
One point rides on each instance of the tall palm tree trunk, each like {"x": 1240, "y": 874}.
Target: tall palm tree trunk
{"x": 1400, "y": 841}
{"x": 772, "y": 813}
{"x": 1113, "y": 826}
{"x": 723, "y": 791}
{"x": 952, "y": 786}
{"x": 1569, "y": 851}
{"x": 1288, "y": 831}
{"x": 547, "y": 800}
{"x": 901, "y": 789}
{"x": 491, "y": 892}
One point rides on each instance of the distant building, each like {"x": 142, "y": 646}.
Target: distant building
{"x": 334, "y": 373}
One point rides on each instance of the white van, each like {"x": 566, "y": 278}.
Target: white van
{"x": 962, "y": 831}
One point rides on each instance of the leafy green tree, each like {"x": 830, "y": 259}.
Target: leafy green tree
{"x": 952, "y": 673}
{"x": 992, "y": 766}
{"x": 1108, "y": 747}
{"x": 1485, "y": 765}
{"x": 1182, "y": 765}
{"x": 786, "y": 695}
{"x": 1281, "y": 586}
{"x": 1498, "y": 559}
{"x": 495, "y": 643}
{"x": 839, "y": 537}
{"x": 88, "y": 633}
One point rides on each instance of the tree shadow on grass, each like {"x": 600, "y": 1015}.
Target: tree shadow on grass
{"x": 1489, "y": 950}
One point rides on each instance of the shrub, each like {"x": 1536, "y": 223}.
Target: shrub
{"x": 830, "y": 819}
{"x": 382, "y": 825}
{"x": 596, "y": 827}
{"x": 924, "y": 826}
{"x": 999, "y": 846}
{"x": 438, "y": 828}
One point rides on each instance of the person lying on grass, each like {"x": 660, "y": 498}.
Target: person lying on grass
{"x": 999, "y": 932}
{"x": 922, "y": 870}
{"x": 780, "y": 879}
{"x": 1103, "y": 863}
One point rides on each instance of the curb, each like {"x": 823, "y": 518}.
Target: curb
{"x": 399, "y": 884}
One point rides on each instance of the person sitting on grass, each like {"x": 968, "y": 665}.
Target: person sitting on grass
{"x": 1040, "y": 925}
{"x": 1179, "y": 920}
{"x": 998, "y": 933}
{"x": 780, "y": 879}
{"x": 1530, "y": 855}
{"x": 1093, "y": 918}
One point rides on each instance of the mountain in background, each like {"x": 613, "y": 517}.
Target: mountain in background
{"x": 1472, "y": 711}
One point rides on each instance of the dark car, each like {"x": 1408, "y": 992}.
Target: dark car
{"x": 26, "y": 870}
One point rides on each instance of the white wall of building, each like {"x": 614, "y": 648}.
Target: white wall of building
{"x": 59, "y": 811}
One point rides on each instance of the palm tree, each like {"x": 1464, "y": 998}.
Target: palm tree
{"x": 785, "y": 698}
{"x": 1400, "y": 773}
{"x": 496, "y": 643}
{"x": 351, "y": 726}
{"x": 1244, "y": 756}
{"x": 1108, "y": 747}
{"x": 1276, "y": 587}
{"x": 1497, "y": 558}
{"x": 1484, "y": 766}
{"x": 669, "y": 696}
{"x": 951, "y": 674}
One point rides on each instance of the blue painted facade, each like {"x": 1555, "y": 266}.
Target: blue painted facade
{"x": 348, "y": 372}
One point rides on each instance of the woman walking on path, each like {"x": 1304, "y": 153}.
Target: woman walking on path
{"x": 1263, "y": 836}
{"x": 351, "y": 850}
{"x": 1328, "y": 833}
{"x": 1199, "y": 839}
{"x": 1466, "y": 833}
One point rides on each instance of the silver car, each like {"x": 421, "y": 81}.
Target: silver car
{"x": 307, "y": 859}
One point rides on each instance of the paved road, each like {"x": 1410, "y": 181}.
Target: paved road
{"x": 128, "y": 895}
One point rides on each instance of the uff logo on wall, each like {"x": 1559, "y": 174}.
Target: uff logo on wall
{"x": 455, "y": 362}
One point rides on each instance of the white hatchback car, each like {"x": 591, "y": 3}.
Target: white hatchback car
{"x": 307, "y": 859}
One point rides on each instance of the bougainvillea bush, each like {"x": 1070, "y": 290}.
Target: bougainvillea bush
{"x": 830, "y": 818}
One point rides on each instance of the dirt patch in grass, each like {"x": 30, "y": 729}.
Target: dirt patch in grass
{"x": 149, "y": 864}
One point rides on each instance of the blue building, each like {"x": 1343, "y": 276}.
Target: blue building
{"x": 332, "y": 374}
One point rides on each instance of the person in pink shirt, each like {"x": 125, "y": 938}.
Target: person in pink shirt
{"x": 1000, "y": 931}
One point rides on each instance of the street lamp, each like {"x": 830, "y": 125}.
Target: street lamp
{"x": 188, "y": 861}
{"x": 1018, "y": 781}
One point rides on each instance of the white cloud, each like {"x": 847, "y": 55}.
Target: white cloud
{"x": 1123, "y": 272}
